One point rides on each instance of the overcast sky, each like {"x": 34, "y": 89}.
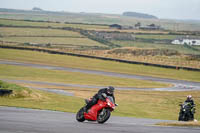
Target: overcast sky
{"x": 175, "y": 9}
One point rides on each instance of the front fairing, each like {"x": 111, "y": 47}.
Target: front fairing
{"x": 93, "y": 112}
{"x": 186, "y": 107}
{"x": 110, "y": 102}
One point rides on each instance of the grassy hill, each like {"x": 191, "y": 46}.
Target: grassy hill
{"x": 94, "y": 18}
{"x": 139, "y": 15}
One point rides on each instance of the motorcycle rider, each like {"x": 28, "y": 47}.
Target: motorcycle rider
{"x": 191, "y": 101}
{"x": 108, "y": 91}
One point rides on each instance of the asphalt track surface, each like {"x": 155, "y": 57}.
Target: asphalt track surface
{"x": 19, "y": 120}
{"x": 178, "y": 85}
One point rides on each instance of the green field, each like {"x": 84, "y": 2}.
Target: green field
{"x": 159, "y": 37}
{"x": 63, "y": 41}
{"x": 163, "y": 37}
{"x": 36, "y": 74}
{"x": 179, "y": 48}
{"x": 94, "y": 64}
{"x": 11, "y": 31}
{"x": 79, "y": 39}
{"x": 55, "y": 25}
{"x": 54, "y": 37}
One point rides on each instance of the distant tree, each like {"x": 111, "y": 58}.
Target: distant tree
{"x": 138, "y": 24}
{"x": 152, "y": 25}
{"x": 116, "y": 26}
{"x": 37, "y": 9}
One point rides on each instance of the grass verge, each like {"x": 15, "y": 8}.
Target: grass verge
{"x": 30, "y": 98}
{"x": 94, "y": 64}
{"x": 140, "y": 104}
{"x": 181, "y": 124}
{"x": 57, "y": 76}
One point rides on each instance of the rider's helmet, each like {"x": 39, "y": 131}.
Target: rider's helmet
{"x": 189, "y": 97}
{"x": 110, "y": 90}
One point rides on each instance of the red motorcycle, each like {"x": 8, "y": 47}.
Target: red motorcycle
{"x": 99, "y": 112}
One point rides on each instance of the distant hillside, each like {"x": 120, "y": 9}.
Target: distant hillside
{"x": 98, "y": 18}
{"x": 139, "y": 15}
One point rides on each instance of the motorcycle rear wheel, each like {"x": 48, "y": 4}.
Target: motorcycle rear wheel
{"x": 103, "y": 116}
{"x": 80, "y": 115}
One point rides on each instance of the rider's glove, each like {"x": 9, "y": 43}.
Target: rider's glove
{"x": 103, "y": 99}
{"x": 104, "y": 95}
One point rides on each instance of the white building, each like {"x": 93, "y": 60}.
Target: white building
{"x": 186, "y": 41}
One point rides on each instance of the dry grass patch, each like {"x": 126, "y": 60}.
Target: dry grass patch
{"x": 77, "y": 91}
{"x": 181, "y": 124}
{"x": 36, "y": 99}
{"x": 21, "y": 92}
{"x": 152, "y": 104}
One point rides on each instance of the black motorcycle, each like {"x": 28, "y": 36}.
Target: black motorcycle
{"x": 186, "y": 112}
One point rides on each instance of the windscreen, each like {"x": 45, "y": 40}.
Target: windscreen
{"x": 111, "y": 99}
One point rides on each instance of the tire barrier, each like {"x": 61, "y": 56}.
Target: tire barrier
{"x": 4, "y": 92}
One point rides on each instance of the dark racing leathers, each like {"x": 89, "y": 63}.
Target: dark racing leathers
{"x": 192, "y": 107}
{"x": 98, "y": 96}
{"x": 190, "y": 101}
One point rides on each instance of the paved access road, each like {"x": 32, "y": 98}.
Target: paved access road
{"x": 179, "y": 85}
{"x": 19, "y": 120}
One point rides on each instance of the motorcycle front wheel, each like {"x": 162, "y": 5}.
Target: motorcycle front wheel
{"x": 103, "y": 116}
{"x": 80, "y": 115}
{"x": 181, "y": 116}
